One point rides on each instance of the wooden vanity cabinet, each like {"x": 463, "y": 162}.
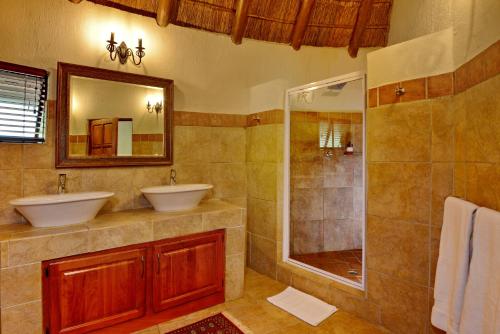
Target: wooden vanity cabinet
{"x": 187, "y": 269}
{"x": 116, "y": 290}
{"x": 95, "y": 291}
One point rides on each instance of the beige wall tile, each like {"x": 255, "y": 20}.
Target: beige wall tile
{"x": 442, "y": 187}
{"x": 307, "y": 236}
{"x": 235, "y": 240}
{"x": 339, "y": 234}
{"x": 460, "y": 125}
{"x": 483, "y": 184}
{"x": 192, "y": 144}
{"x": 399, "y": 132}
{"x": 177, "y": 226}
{"x": 120, "y": 235}
{"x": 11, "y": 156}
{"x": 147, "y": 177}
{"x": 11, "y": 185}
{"x": 4, "y": 254}
{"x": 22, "y": 319}
{"x": 227, "y": 145}
{"x": 262, "y": 255}
{"x": 44, "y": 181}
{"x": 459, "y": 179}
{"x": 306, "y": 204}
{"x": 20, "y": 284}
{"x": 223, "y": 219}
{"x": 235, "y": 276}
{"x": 193, "y": 173}
{"x": 338, "y": 203}
{"x": 399, "y": 249}
{"x": 45, "y": 247}
{"x": 404, "y": 306}
{"x": 400, "y": 191}
{"x": 262, "y": 217}
{"x": 261, "y": 180}
{"x": 39, "y": 155}
{"x": 229, "y": 179}
{"x": 261, "y": 143}
{"x": 442, "y": 129}
{"x": 356, "y": 305}
{"x": 435, "y": 239}
{"x": 482, "y": 138}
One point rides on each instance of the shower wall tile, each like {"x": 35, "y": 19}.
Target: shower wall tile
{"x": 400, "y": 191}
{"x": 262, "y": 217}
{"x": 338, "y": 203}
{"x": 442, "y": 187}
{"x": 440, "y": 85}
{"x": 414, "y": 90}
{"x": 261, "y": 143}
{"x": 261, "y": 180}
{"x": 482, "y": 137}
{"x": 339, "y": 234}
{"x": 394, "y": 244}
{"x": 262, "y": 255}
{"x": 483, "y": 184}
{"x": 307, "y": 204}
{"x": 442, "y": 129}
{"x": 404, "y": 305}
{"x": 399, "y": 132}
{"x": 308, "y": 236}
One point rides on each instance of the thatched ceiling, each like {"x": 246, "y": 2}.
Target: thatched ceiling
{"x": 329, "y": 23}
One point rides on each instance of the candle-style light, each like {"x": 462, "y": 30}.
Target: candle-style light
{"x": 123, "y": 52}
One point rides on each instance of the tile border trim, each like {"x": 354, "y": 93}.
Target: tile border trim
{"x": 482, "y": 67}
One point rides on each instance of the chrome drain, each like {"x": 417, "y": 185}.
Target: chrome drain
{"x": 352, "y": 272}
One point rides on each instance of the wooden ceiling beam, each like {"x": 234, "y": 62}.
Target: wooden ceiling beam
{"x": 240, "y": 21}
{"x": 163, "y": 12}
{"x": 75, "y": 1}
{"x": 360, "y": 26}
{"x": 299, "y": 29}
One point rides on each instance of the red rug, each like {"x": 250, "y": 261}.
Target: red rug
{"x": 217, "y": 324}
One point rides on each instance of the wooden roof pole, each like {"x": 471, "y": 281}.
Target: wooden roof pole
{"x": 240, "y": 21}
{"x": 163, "y": 12}
{"x": 361, "y": 22}
{"x": 75, "y": 1}
{"x": 300, "y": 26}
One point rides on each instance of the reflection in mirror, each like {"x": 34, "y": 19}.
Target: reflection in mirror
{"x": 114, "y": 119}
{"x": 326, "y": 177}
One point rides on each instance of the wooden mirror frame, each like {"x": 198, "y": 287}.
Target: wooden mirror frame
{"x": 63, "y": 159}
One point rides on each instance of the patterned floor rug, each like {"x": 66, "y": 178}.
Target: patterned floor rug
{"x": 216, "y": 324}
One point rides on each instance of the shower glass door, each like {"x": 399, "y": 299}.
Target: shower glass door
{"x": 325, "y": 178}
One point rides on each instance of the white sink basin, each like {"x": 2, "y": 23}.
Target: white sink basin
{"x": 176, "y": 198}
{"x": 63, "y": 209}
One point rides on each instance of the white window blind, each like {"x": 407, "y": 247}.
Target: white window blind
{"x": 23, "y": 97}
{"x": 332, "y": 135}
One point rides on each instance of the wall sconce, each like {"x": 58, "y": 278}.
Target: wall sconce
{"x": 123, "y": 52}
{"x": 157, "y": 107}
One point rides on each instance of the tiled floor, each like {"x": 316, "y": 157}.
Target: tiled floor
{"x": 254, "y": 312}
{"x": 347, "y": 263}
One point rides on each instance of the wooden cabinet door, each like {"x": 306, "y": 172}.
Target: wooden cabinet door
{"x": 188, "y": 268}
{"x": 103, "y": 139}
{"x": 95, "y": 291}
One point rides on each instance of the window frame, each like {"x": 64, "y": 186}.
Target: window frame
{"x": 31, "y": 71}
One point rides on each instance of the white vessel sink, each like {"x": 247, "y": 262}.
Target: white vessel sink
{"x": 177, "y": 197}
{"x": 62, "y": 209}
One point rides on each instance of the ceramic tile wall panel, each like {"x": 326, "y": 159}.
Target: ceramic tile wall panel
{"x": 212, "y": 153}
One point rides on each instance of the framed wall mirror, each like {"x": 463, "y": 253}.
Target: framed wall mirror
{"x": 107, "y": 118}
{"x": 324, "y": 169}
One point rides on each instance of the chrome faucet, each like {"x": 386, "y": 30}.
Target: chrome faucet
{"x": 173, "y": 175}
{"x": 61, "y": 186}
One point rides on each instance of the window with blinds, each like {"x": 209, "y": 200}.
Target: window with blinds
{"x": 23, "y": 97}
{"x": 332, "y": 135}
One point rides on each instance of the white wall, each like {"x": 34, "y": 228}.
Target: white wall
{"x": 414, "y": 18}
{"x": 211, "y": 74}
{"x": 472, "y": 26}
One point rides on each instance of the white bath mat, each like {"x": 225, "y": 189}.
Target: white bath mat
{"x": 303, "y": 306}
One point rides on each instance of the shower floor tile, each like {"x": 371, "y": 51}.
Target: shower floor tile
{"x": 346, "y": 263}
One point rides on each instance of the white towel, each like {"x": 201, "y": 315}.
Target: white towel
{"x": 481, "y": 309}
{"x": 303, "y": 306}
{"x": 453, "y": 264}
